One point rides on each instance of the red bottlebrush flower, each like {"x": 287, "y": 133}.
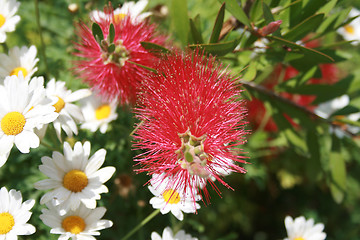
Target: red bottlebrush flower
{"x": 192, "y": 122}
{"x": 109, "y": 70}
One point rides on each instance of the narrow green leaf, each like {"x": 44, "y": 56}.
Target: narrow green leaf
{"x": 267, "y": 13}
{"x": 111, "y": 35}
{"x": 327, "y": 7}
{"x": 303, "y": 28}
{"x": 214, "y": 38}
{"x": 233, "y": 7}
{"x": 111, "y": 48}
{"x": 180, "y": 20}
{"x": 218, "y": 49}
{"x": 97, "y": 32}
{"x": 256, "y": 10}
{"x": 338, "y": 176}
{"x": 196, "y": 35}
{"x": 313, "y": 165}
{"x": 153, "y": 47}
{"x": 145, "y": 67}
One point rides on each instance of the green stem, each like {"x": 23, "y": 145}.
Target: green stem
{"x": 47, "y": 146}
{"x": 5, "y": 48}
{"x": 42, "y": 48}
{"x": 145, "y": 221}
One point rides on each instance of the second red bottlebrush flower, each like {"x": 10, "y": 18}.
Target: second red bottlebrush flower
{"x": 108, "y": 64}
{"x": 192, "y": 122}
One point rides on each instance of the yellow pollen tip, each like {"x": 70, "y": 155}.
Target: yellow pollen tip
{"x": 119, "y": 17}
{"x": 6, "y": 222}
{"x": 13, "y": 123}
{"x": 73, "y": 224}
{"x": 75, "y": 180}
{"x": 349, "y": 29}
{"x": 17, "y": 70}
{"x": 2, "y": 20}
{"x": 103, "y": 112}
{"x": 171, "y": 196}
{"x": 299, "y": 238}
{"x": 59, "y": 105}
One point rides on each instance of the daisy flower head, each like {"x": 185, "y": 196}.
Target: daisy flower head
{"x": 302, "y": 229}
{"x": 8, "y": 19}
{"x": 81, "y": 223}
{"x": 109, "y": 66}
{"x": 169, "y": 235}
{"x": 14, "y": 214}
{"x": 351, "y": 31}
{"x": 74, "y": 178}
{"x": 191, "y": 115}
{"x": 69, "y": 113}
{"x": 22, "y": 109}
{"x": 98, "y": 113}
{"x": 133, "y": 9}
{"x": 18, "y": 60}
{"x": 169, "y": 199}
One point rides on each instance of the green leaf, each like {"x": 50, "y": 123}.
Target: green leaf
{"x": 111, "y": 48}
{"x": 152, "y": 47}
{"x": 255, "y": 11}
{"x": 214, "y": 38}
{"x": 180, "y": 20}
{"x": 338, "y": 176}
{"x": 218, "y": 49}
{"x": 267, "y": 13}
{"x": 97, "y": 32}
{"x": 327, "y": 7}
{"x": 111, "y": 35}
{"x": 195, "y": 33}
{"x": 303, "y": 28}
{"x": 313, "y": 165}
{"x": 250, "y": 71}
{"x": 233, "y": 7}
{"x": 145, "y": 67}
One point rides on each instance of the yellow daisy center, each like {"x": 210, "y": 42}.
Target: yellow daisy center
{"x": 171, "y": 196}
{"x": 299, "y": 238}
{"x": 75, "y": 180}
{"x": 13, "y": 123}
{"x": 6, "y": 223}
{"x": 73, "y": 224}
{"x": 59, "y": 105}
{"x": 349, "y": 29}
{"x": 17, "y": 70}
{"x": 2, "y": 20}
{"x": 119, "y": 17}
{"x": 103, "y": 112}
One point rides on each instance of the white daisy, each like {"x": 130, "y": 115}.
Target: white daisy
{"x": 14, "y": 214}
{"x": 133, "y": 9}
{"x": 8, "y": 8}
{"x": 167, "y": 199}
{"x": 63, "y": 97}
{"x": 74, "y": 178}
{"x": 351, "y": 31}
{"x": 302, "y": 229}
{"x": 21, "y": 110}
{"x": 169, "y": 235}
{"x": 19, "y": 60}
{"x": 80, "y": 224}
{"x": 97, "y": 113}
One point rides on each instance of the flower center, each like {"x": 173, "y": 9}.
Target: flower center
{"x": 191, "y": 154}
{"x": 2, "y": 20}
{"x": 119, "y": 17}
{"x": 13, "y": 123}
{"x": 349, "y": 29}
{"x": 103, "y": 112}
{"x": 73, "y": 224}
{"x": 16, "y": 71}
{"x": 299, "y": 238}
{"x": 75, "y": 180}
{"x": 118, "y": 56}
{"x": 59, "y": 105}
{"x": 171, "y": 196}
{"x": 6, "y": 223}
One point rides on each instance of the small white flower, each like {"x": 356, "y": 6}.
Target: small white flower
{"x": 169, "y": 235}
{"x": 21, "y": 111}
{"x": 19, "y": 60}
{"x": 8, "y": 8}
{"x": 80, "y": 224}
{"x": 63, "y": 97}
{"x": 167, "y": 199}
{"x": 325, "y": 109}
{"x": 14, "y": 214}
{"x": 128, "y": 8}
{"x": 97, "y": 113}
{"x": 351, "y": 31}
{"x": 74, "y": 178}
{"x": 302, "y": 229}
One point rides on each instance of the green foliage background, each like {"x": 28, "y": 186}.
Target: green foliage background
{"x": 307, "y": 171}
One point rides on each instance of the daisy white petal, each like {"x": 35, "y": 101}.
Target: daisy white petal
{"x": 302, "y": 229}
{"x": 169, "y": 235}
{"x": 8, "y": 19}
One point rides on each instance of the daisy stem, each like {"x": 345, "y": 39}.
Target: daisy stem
{"x": 47, "y": 146}
{"x": 145, "y": 221}
{"x": 43, "y": 52}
